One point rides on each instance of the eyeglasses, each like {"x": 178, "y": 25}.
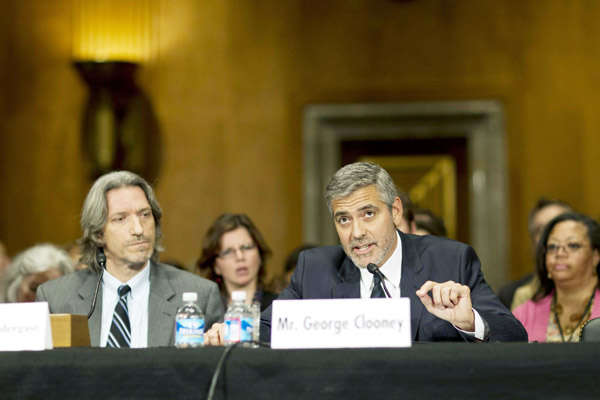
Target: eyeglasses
{"x": 569, "y": 248}
{"x": 232, "y": 251}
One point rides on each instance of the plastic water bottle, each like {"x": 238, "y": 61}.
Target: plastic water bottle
{"x": 189, "y": 323}
{"x": 255, "y": 308}
{"x": 238, "y": 321}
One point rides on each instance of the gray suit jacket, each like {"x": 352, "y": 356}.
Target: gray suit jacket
{"x": 73, "y": 294}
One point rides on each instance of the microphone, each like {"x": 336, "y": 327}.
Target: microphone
{"x": 101, "y": 260}
{"x": 372, "y": 268}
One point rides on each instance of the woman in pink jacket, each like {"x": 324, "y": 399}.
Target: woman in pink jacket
{"x": 567, "y": 259}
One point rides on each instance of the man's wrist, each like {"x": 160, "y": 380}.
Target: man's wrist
{"x": 467, "y": 326}
{"x": 480, "y": 331}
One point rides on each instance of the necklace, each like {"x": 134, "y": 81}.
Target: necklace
{"x": 557, "y": 309}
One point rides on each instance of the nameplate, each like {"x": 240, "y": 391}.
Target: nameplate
{"x": 340, "y": 323}
{"x": 25, "y": 326}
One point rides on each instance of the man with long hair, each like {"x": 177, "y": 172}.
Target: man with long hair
{"x": 137, "y": 297}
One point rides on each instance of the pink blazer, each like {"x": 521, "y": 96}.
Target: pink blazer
{"x": 535, "y": 316}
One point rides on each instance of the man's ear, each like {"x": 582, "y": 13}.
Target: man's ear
{"x": 99, "y": 238}
{"x": 397, "y": 211}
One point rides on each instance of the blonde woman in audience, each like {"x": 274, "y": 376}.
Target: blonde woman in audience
{"x": 567, "y": 259}
{"x": 33, "y": 267}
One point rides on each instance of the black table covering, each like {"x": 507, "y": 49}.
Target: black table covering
{"x": 425, "y": 371}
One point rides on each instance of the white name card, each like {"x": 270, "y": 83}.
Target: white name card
{"x": 340, "y": 323}
{"x": 25, "y": 326}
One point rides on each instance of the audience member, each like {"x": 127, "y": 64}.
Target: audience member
{"x": 138, "y": 297}
{"x": 567, "y": 259}
{"x": 518, "y": 292}
{"x": 74, "y": 252}
{"x": 234, "y": 254}
{"x": 429, "y": 224}
{"x": 33, "y": 267}
{"x": 283, "y": 280}
{"x": 407, "y": 222}
{"x": 452, "y": 303}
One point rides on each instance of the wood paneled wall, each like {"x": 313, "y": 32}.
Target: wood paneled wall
{"x": 229, "y": 80}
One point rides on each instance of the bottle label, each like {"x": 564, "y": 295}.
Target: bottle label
{"x": 238, "y": 329}
{"x": 247, "y": 328}
{"x": 190, "y": 331}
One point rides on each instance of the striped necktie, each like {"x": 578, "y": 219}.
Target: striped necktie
{"x": 377, "y": 288}
{"x": 120, "y": 330}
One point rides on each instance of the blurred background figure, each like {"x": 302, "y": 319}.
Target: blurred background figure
{"x": 74, "y": 252}
{"x": 567, "y": 259}
{"x": 282, "y": 281}
{"x": 428, "y": 223}
{"x": 234, "y": 254}
{"x": 407, "y": 223}
{"x": 518, "y": 292}
{"x": 33, "y": 267}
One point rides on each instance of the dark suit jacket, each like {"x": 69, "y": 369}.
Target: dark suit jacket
{"x": 326, "y": 273}
{"x": 73, "y": 293}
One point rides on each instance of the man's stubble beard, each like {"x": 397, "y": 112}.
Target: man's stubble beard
{"x": 387, "y": 247}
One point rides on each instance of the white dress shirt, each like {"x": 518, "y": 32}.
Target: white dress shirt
{"x": 392, "y": 272}
{"x": 137, "y": 305}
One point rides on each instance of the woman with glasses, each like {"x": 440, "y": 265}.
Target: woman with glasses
{"x": 234, "y": 254}
{"x": 567, "y": 258}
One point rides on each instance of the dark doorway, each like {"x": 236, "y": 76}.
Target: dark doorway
{"x": 456, "y": 147}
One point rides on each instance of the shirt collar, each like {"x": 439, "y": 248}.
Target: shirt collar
{"x": 137, "y": 283}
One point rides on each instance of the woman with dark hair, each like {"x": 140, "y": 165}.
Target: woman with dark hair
{"x": 567, "y": 258}
{"x": 234, "y": 254}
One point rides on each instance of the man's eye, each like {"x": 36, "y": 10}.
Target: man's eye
{"x": 343, "y": 220}
{"x": 370, "y": 214}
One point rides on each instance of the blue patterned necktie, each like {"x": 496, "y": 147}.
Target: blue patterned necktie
{"x": 120, "y": 330}
{"x": 377, "y": 288}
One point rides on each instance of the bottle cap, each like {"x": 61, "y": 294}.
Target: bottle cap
{"x": 190, "y": 296}
{"x": 238, "y": 295}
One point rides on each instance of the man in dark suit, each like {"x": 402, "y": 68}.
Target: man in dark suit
{"x": 450, "y": 300}
{"x": 121, "y": 222}
{"x": 326, "y": 272}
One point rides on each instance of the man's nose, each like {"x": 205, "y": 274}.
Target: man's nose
{"x": 136, "y": 226}
{"x": 358, "y": 230}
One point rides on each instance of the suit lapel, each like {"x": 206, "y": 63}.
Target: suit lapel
{"x": 349, "y": 288}
{"x": 410, "y": 281}
{"x": 161, "y": 309}
{"x": 86, "y": 296}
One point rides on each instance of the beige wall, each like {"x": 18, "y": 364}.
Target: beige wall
{"x": 229, "y": 80}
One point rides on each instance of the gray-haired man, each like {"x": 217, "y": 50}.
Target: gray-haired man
{"x": 450, "y": 300}
{"x": 121, "y": 223}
